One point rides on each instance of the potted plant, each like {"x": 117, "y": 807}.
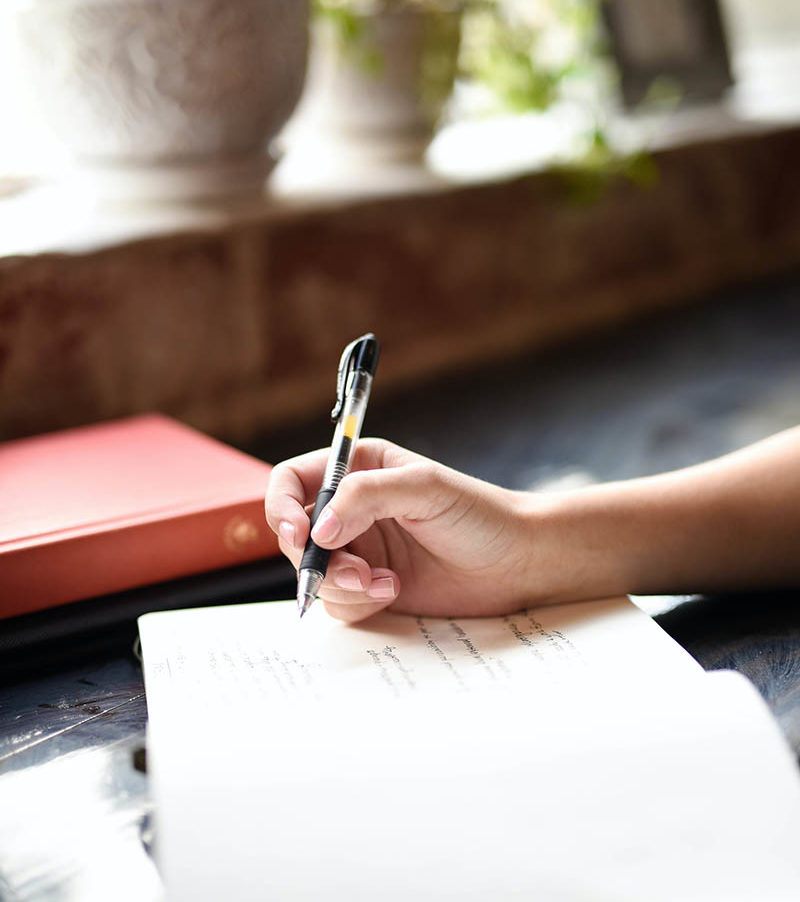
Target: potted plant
{"x": 380, "y": 73}
{"x": 382, "y": 70}
{"x": 170, "y": 100}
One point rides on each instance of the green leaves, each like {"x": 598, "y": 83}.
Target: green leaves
{"x": 507, "y": 67}
{"x": 589, "y": 178}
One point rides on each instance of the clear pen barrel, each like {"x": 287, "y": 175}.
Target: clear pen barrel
{"x": 348, "y": 429}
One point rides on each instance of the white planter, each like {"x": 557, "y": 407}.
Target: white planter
{"x": 176, "y": 99}
{"x": 382, "y": 93}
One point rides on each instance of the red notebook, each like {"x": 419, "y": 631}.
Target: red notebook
{"x": 103, "y": 508}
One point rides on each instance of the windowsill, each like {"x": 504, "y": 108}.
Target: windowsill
{"x": 202, "y": 312}
{"x": 62, "y": 217}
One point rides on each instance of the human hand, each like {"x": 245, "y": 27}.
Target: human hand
{"x": 413, "y": 534}
{"x": 407, "y": 532}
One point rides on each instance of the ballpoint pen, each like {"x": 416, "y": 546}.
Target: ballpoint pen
{"x": 353, "y": 383}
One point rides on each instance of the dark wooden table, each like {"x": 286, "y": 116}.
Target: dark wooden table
{"x": 74, "y": 811}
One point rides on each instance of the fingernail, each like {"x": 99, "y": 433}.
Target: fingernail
{"x": 287, "y": 531}
{"x": 348, "y": 579}
{"x": 327, "y": 527}
{"x": 383, "y": 587}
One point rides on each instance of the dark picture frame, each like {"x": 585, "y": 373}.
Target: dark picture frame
{"x": 682, "y": 40}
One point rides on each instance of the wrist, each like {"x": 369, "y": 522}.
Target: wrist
{"x": 580, "y": 544}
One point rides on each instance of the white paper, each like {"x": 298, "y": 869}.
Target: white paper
{"x": 566, "y": 753}
{"x": 264, "y": 652}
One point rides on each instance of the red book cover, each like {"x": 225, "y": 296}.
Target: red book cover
{"x": 108, "y": 507}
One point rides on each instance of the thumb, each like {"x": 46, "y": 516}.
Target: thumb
{"x": 418, "y": 491}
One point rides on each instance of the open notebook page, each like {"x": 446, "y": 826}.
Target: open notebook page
{"x": 264, "y": 652}
{"x": 564, "y": 753}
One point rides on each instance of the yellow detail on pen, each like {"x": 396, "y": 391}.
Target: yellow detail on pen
{"x": 350, "y": 426}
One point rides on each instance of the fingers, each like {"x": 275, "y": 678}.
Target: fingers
{"x": 350, "y": 580}
{"x": 381, "y": 587}
{"x": 354, "y": 606}
{"x": 418, "y": 491}
{"x": 352, "y": 590}
{"x": 352, "y": 613}
{"x": 293, "y": 484}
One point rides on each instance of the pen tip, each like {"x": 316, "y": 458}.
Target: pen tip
{"x": 308, "y": 583}
{"x": 304, "y": 603}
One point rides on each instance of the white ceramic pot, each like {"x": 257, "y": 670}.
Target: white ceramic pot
{"x": 167, "y": 98}
{"x": 381, "y": 92}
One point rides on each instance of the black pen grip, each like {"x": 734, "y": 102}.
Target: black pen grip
{"x": 314, "y": 557}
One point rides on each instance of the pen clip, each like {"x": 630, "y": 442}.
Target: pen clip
{"x": 345, "y": 368}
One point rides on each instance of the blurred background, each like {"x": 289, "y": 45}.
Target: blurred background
{"x": 573, "y": 224}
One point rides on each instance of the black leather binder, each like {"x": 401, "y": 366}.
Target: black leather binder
{"x": 45, "y": 639}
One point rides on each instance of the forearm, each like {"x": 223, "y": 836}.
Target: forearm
{"x": 730, "y": 524}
